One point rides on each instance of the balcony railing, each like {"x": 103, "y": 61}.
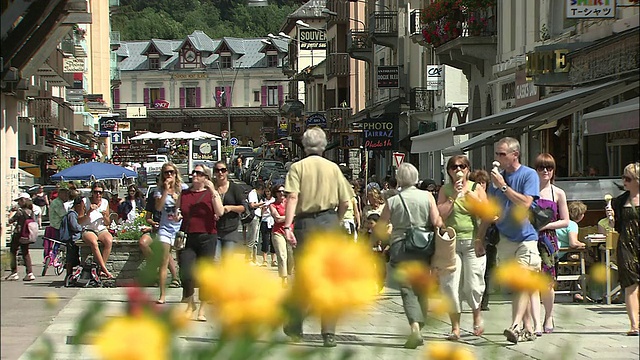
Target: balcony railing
{"x": 338, "y": 118}
{"x": 414, "y": 22}
{"x": 114, "y": 3}
{"x": 114, "y": 39}
{"x": 45, "y": 112}
{"x": 341, "y": 7}
{"x": 358, "y": 40}
{"x": 115, "y": 74}
{"x": 338, "y": 64}
{"x": 460, "y": 23}
{"x": 421, "y": 99}
{"x": 384, "y": 23}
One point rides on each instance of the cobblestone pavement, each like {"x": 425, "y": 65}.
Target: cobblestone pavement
{"x": 582, "y": 331}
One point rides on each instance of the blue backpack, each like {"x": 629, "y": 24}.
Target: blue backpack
{"x": 66, "y": 231}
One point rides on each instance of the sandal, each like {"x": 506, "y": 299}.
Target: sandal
{"x": 453, "y": 336}
{"x": 201, "y": 318}
{"x": 478, "y": 330}
{"x": 175, "y": 283}
{"x": 633, "y": 332}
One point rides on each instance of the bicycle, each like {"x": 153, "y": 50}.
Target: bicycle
{"x": 56, "y": 258}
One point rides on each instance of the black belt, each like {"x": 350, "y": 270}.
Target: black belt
{"x": 314, "y": 214}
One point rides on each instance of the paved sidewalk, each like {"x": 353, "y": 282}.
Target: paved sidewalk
{"x": 582, "y": 331}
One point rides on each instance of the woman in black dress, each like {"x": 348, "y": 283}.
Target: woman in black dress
{"x": 626, "y": 214}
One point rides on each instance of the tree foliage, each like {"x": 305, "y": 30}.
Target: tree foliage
{"x": 175, "y": 19}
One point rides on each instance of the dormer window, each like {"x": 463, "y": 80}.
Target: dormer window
{"x": 272, "y": 58}
{"x": 191, "y": 58}
{"x": 154, "y": 61}
{"x": 225, "y": 60}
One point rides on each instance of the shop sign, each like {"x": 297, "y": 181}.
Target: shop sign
{"x": 161, "y": 104}
{"x": 296, "y": 127}
{"x": 526, "y": 90}
{"x": 124, "y": 126}
{"x": 204, "y": 149}
{"x": 591, "y": 9}
{"x": 380, "y": 133}
{"x": 317, "y": 120}
{"x": 547, "y": 61}
{"x": 349, "y": 141}
{"x": 435, "y": 77}
{"x": 73, "y": 65}
{"x": 283, "y": 129}
{"x": 108, "y": 124}
{"x": 388, "y": 77}
{"x": 312, "y": 39}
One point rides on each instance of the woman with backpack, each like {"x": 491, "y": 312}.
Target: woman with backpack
{"x": 18, "y": 240}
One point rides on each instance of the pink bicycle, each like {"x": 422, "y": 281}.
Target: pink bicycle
{"x": 56, "y": 257}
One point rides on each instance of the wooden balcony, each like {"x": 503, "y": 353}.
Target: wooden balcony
{"x": 359, "y": 45}
{"x": 80, "y": 122}
{"x": 52, "y": 70}
{"x": 46, "y": 112}
{"x": 338, "y": 118}
{"x": 421, "y": 99}
{"x": 383, "y": 28}
{"x": 338, "y": 64}
{"x": 341, "y": 8}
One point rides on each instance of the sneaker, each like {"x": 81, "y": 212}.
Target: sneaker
{"x": 29, "y": 277}
{"x": 512, "y": 334}
{"x": 264, "y": 264}
{"x": 13, "y": 277}
{"x": 274, "y": 264}
{"x": 526, "y": 335}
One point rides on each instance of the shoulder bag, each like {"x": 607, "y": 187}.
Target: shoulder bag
{"x": 418, "y": 240}
{"x": 541, "y": 216}
{"x": 181, "y": 236}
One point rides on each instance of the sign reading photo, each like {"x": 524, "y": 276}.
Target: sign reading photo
{"x": 312, "y": 39}
{"x": 380, "y": 133}
{"x": 388, "y": 77}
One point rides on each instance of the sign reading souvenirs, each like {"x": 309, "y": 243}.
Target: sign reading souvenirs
{"x": 380, "y": 133}
{"x": 317, "y": 120}
{"x": 435, "y": 77}
{"x": 204, "y": 149}
{"x": 590, "y": 9}
{"x": 312, "y": 39}
{"x": 388, "y": 77}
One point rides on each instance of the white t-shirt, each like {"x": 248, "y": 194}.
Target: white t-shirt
{"x": 253, "y": 198}
{"x": 96, "y": 221}
{"x": 266, "y": 214}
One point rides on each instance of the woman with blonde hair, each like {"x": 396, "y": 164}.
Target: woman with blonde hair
{"x": 554, "y": 198}
{"x": 467, "y": 280}
{"x": 167, "y": 201}
{"x": 375, "y": 204}
{"x": 626, "y": 221}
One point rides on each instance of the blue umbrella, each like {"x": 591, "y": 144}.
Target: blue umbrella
{"x": 94, "y": 171}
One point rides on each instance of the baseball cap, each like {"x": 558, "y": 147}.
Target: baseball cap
{"x": 23, "y": 195}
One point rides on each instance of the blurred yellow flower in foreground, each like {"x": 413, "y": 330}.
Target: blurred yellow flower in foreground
{"x": 335, "y": 275}
{"x": 517, "y": 277}
{"x": 132, "y": 338}
{"x": 598, "y": 273}
{"x": 417, "y": 275}
{"x": 179, "y": 318}
{"x": 486, "y": 209}
{"x": 443, "y": 351}
{"x": 246, "y": 299}
{"x": 520, "y": 213}
{"x": 440, "y": 304}
{"x": 52, "y": 299}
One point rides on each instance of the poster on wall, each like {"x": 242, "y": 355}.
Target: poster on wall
{"x": 380, "y": 133}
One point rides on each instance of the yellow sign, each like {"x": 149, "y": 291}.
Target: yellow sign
{"x": 545, "y": 62}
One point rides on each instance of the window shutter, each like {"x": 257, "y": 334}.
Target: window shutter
{"x": 145, "y": 96}
{"x": 227, "y": 90}
{"x": 198, "y": 97}
{"x": 162, "y": 94}
{"x": 263, "y": 96}
{"x": 116, "y": 98}
{"x": 218, "y": 95}
{"x": 182, "y": 97}
{"x": 280, "y": 95}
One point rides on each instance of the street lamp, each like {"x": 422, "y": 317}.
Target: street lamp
{"x": 229, "y": 97}
{"x": 333, "y": 13}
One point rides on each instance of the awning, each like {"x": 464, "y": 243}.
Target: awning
{"x": 622, "y": 116}
{"x": 70, "y": 144}
{"x": 442, "y": 139}
{"x": 32, "y": 169}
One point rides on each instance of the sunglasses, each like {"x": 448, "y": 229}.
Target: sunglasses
{"x": 198, "y": 173}
{"x": 542, "y": 168}
{"x": 170, "y": 172}
{"x": 280, "y": 191}
{"x": 626, "y": 179}
{"x": 221, "y": 170}
{"x": 458, "y": 166}
{"x": 97, "y": 192}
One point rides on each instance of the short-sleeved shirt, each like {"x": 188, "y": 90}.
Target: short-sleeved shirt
{"x": 524, "y": 181}
{"x": 96, "y": 220}
{"x": 319, "y": 183}
{"x": 230, "y": 221}
{"x": 56, "y": 212}
{"x": 253, "y": 198}
{"x": 563, "y": 235}
{"x": 197, "y": 212}
{"x": 418, "y": 205}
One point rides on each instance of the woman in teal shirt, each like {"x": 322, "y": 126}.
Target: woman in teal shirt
{"x": 568, "y": 237}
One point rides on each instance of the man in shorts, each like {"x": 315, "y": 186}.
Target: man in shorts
{"x": 515, "y": 185}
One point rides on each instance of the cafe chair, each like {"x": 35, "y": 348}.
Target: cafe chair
{"x": 572, "y": 274}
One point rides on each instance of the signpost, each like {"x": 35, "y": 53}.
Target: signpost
{"x": 398, "y": 158}
{"x": 233, "y": 141}
{"x": 224, "y": 134}
{"x": 116, "y": 137}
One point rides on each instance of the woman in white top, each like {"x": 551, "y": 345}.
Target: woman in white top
{"x": 266, "y": 224}
{"x": 95, "y": 221}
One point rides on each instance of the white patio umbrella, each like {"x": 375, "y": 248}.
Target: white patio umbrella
{"x": 145, "y": 136}
{"x": 166, "y": 135}
{"x": 201, "y": 134}
{"x": 183, "y": 135}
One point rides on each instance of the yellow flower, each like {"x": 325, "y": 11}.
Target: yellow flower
{"x": 443, "y": 351}
{"x": 598, "y": 273}
{"x": 52, "y": 299}
{"x": 335, "y": 275}
{"x": 417, "y": 275}
{"x": 520, "y": 213}
{"x": 132, "y": 338}
{"x": 486, "y": 209}
{"x": 179, "y": 318}
{"x": 440, "y": 304}
{"x": 247, "y": 300}
{"x": 519, "y": 278}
